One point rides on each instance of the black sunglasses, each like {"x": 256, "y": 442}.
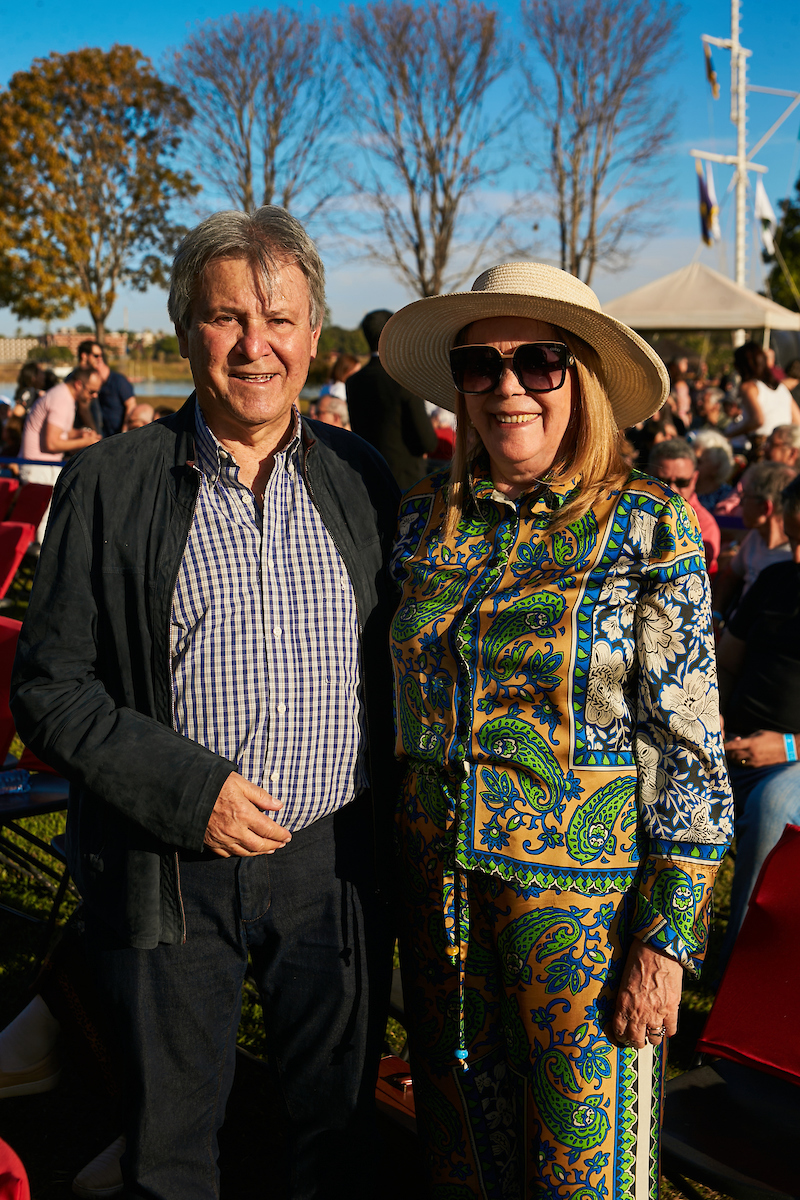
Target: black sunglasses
{"x": 676, "y": 483}
{"x": 539, "y": 367}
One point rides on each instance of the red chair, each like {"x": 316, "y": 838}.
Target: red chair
{"x": 48, "y": 794}
{"x": 13, "y": 1178}
{"x": 8, "y": 490}
{"x": 732, "y": 1123}
{"x": 31, "y": 503}
{"x": 15, "y": 538}
{"x": 9, "y": 633}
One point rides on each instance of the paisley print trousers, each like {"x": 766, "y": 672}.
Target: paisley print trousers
{"x": 547, "y": 1107}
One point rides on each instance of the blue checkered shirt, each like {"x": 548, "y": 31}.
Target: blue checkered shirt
{"x": 265, "y": 640}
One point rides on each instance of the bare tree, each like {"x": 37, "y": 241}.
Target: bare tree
{"x": 608, "y": 122}
{"x": 265, "y": 91}
{"x": 419, "y": 79}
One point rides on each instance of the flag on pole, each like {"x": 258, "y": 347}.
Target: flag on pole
{"x": 766, "y": 217}
{"x": 706, "y": 231}
{"x": 711, "y": 74}
{"x": 713, "y": 212}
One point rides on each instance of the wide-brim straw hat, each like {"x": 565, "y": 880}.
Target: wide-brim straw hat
{"x": 416, "y": 342}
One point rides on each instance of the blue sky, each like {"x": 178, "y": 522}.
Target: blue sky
{"x": 771, "y": 31}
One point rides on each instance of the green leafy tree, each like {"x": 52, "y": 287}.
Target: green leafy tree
{"x": 788, "y": 242}
{"x": 87, "y": 183}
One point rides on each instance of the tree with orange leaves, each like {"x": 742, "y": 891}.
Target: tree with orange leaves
{"x": 87, "y": 181}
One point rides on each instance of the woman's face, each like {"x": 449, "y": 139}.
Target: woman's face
{"x": 522, "y": 431}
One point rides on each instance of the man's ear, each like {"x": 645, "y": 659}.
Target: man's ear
{"x": 315, "y": 339}
{"x": 183, "y": 342}
{"x": 769, "y": 508}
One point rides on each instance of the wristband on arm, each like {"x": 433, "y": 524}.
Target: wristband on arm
{"x": 791, "y": 749}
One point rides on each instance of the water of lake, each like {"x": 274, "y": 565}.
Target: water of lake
{"x": 183, "y": 387}
{"x": 163, "y": 387}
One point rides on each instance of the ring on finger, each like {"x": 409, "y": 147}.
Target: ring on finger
{"x": 659, "y": 1032}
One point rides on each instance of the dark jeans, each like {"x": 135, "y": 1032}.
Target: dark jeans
{"x": 319, "y": 952}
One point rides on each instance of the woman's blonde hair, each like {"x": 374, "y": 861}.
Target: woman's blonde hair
{"x": 590, "y": 447}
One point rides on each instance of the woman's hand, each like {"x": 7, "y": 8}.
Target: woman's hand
{"x": 764, "y": 748}
{"x": 649, "y": 997}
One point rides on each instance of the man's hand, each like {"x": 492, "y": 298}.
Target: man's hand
{"x": 239, "y": 825}
{"x": 762, "y": 749}
{"x": 649, "y": 996}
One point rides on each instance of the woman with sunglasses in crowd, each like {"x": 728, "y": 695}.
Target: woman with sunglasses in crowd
{"x": 565, "y": 802}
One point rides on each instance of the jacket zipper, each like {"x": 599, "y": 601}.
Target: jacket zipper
{"x": 172, "y": 591}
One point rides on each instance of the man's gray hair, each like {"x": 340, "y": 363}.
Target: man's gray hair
{"x": 715, "y": 450}
{"x": 767, "y": 481}
{"x": 266, "y": 239}
{"x": 787, "y": 435}
{"x": 671, "y": 449}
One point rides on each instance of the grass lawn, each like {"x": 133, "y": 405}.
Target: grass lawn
{"x": 58, "y": 1132}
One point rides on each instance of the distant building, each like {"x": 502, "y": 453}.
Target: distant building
{"x": 116, "y": 343}
{"x": 15, "y": 350}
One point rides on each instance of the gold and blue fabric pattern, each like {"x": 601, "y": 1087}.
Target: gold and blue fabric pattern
{"x": 565, "y": 791}
{"x": 563, "y": 688}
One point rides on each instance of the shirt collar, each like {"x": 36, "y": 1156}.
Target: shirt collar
{"x": 215, "y": 462}
{"x": 550, "y": 494}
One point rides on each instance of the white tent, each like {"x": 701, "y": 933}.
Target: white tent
{"x": 698, "y": 298}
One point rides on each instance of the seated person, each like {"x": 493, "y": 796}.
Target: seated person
{"x": 714, "y": 467}
{"x": 674, "y": 462}
{"x": 783, "y": 445}
{"x": 709, "y": 411}
{"x": 759, "y": 682}
{"x": 766, "y": 542}
{"x": 332, "y": 410}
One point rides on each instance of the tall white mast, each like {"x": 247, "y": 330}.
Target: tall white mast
{"x": 741, "y": 159}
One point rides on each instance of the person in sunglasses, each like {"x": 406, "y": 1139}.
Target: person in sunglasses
{"x": 565, "y": 802}
{"x": 675, "y": 463}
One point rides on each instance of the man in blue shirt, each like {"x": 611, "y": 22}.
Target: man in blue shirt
{"x": 116, "y": 396}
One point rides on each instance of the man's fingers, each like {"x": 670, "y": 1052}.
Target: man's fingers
{"x": 260, "y": 798}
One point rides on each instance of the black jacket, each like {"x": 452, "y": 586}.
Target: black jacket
{"x": 92, "y": 688}
{"x": 392, "y": 420}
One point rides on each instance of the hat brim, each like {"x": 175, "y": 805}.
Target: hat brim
{"x": 415, "y": 347}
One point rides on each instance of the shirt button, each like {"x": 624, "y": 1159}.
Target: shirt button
{"x": 274, "y": 775}
{"x": 276, "y": 629}
{"x": 281, "y": 708}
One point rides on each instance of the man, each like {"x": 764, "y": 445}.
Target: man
{"x": 386, "y": 415}
{"x": 759, "y": 680}
{"x": 783, "y": 445}
{"x": 116, "y": 394}
{"x": 675, "y": 463}
{"x": 332, "y": 411}
{"x": 139, "y": 416}
{"x": 205, "y": 657}
{"x": 49, "y": 431}
{"x": 710, "y": 413}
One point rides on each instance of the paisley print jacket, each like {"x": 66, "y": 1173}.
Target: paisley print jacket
{"x": 562, "y": 688}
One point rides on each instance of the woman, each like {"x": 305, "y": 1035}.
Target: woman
{"x": 765, "y": 402}
{"x": 552, "y": 650}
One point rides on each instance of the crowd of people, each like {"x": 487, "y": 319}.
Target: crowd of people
{"x": 454, "y": 679}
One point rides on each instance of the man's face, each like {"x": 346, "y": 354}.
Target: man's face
{"x": 86, "y": 392}
{"x": 249, "y": 358}
{"x": 326, "y": 414}
{"x": 95, "y": 359}
{"x": 776, "y": 450}
{"x": 679, "y": 474}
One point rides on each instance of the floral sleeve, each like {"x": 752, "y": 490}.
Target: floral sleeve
{"x": 684, "y": 795}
